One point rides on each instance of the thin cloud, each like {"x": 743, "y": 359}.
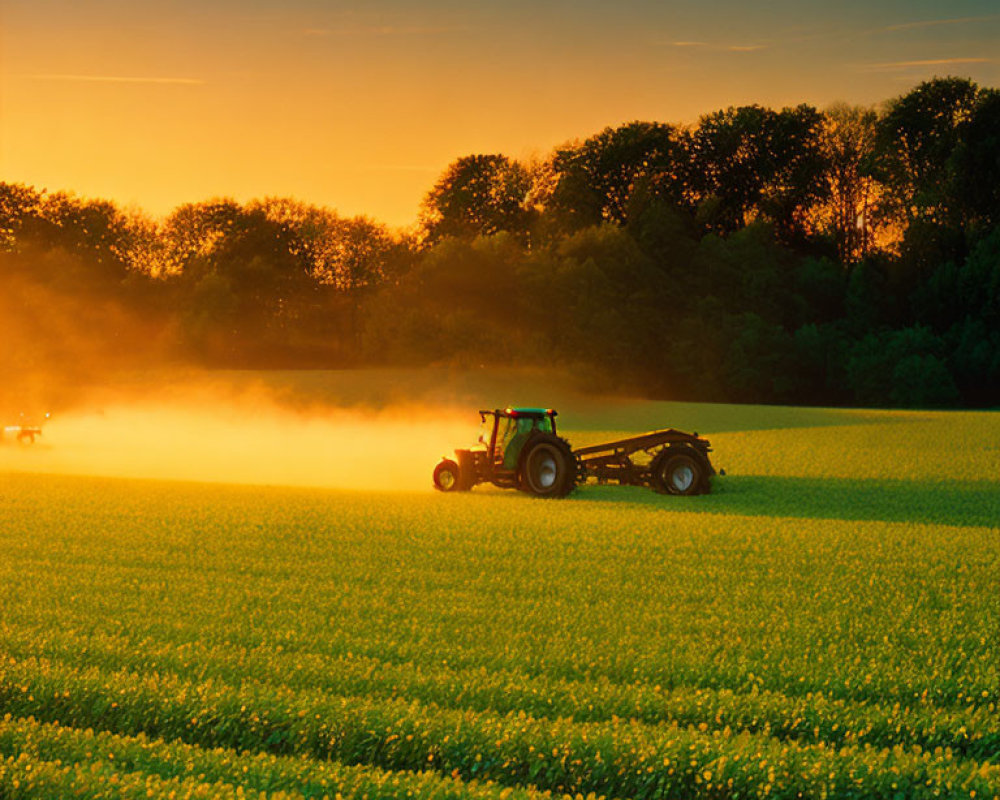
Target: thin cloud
{"x": 385, "y": 30}
{"x": 117, "y": 79}
{"x": 935, "y": 22}
{"x": 727, "y": 48}
{"x": 930, "y": 62}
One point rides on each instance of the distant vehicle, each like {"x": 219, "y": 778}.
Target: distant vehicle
{"x": 520, "y": 449}
{"x": 25, "y": 432}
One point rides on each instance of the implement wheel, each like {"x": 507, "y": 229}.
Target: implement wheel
{"x": 677, "y": 472}
{"x": 446, "y": 476}
{"x": 547, "y": 467}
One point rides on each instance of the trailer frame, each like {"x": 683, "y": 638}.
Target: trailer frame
{"x": 614, "y": 461}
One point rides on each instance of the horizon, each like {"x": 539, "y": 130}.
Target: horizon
{"x": 360, "y": 108}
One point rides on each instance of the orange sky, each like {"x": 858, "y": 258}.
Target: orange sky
{"x": 360, "y": 106}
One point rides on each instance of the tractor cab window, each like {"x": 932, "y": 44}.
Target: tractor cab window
{"x": 508, "y": 428}
{"x": 512, "y": 428}
{"x": 485, "y": 430}
{"x": 545, "y": 424}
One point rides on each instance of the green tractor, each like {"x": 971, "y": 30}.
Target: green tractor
{"x": 519, "y": 448}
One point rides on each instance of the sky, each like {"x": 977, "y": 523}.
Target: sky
{"x": 360, "y": 106}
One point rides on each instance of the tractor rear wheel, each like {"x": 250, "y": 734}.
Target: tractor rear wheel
{"x": 677, "y": 472}
{"x": 547, "y": 467}
{"x": 446, "y": 476}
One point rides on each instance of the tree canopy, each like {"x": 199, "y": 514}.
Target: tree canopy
{"x": 846, "y": 255}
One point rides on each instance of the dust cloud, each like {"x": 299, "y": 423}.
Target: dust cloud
{"x": 223, "y": 442}
{"x": 127, "y": 401}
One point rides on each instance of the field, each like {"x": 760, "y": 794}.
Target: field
{"x": 825, "y": 624}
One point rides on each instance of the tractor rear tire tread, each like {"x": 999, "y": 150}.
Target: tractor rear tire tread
{"x": 558, "y": 455}
{"x": 679, "y": 471}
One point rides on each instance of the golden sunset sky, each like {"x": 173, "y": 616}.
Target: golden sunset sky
{"x": 360, "y": 106}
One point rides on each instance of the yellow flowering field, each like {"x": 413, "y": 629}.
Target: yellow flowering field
{"x": 825, "y": 623}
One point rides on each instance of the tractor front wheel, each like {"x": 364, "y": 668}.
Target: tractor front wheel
{"x": 547, "y": 468}
{"x": 446, "y": 476}
{"x": 675, "y": 472}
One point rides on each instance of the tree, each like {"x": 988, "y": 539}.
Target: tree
{"x": 916, "y": 140}
{"x": 478, "y": 195}
{"x": 18, "y": 203}
{"x": 849, "y": 146}
{"x": 144, "y": 249}
{"x": 796, "y": 182}
{"x": 822, "y": 284}
{"x": 755, "y": 368}
{"x": 195, "y": 231}
{"x": 602, "y": 298}
{"x": 977, "y": 162}
{"x": 749, "y": 271}
{"x": 600, "y": 179}
{"x": 752, "y": 161}
{"x": 975, "y": 360}
{"x": 462, "y": 300}
{"x": 238, "y": 260}
{"x": 901, "y": 368}
{"x": 345, "y": 254}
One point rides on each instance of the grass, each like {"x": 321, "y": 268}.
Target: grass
{"x": 825, "y": 623}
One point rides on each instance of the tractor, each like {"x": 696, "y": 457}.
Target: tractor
{"x": 520, "y": 448}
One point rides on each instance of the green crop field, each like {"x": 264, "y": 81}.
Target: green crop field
{"x": 825, "y": 624}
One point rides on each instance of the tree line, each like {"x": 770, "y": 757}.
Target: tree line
{"x": 844, "y": 256}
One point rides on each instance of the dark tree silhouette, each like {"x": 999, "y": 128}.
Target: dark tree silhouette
{"x": 478, "y": 194}
{"x": 761, "y": 256}
{"x": 916, "y": 141}
{"x": 19, "y": 205}
{"x": 753, "y": 162}
{"x": 977, "y": 162}
{"x": 604, "y": 177}
{"x": 849, "y": 149}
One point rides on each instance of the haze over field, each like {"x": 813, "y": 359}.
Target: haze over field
{"x": 258, "y": 444}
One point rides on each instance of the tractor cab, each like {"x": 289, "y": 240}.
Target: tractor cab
{"x": 511, "y": 429}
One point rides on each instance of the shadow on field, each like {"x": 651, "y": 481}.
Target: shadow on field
{"x": 965, "y": 503}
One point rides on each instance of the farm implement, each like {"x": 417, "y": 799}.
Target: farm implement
{"x": 24, "y": 432}
{"x": 519, "y": 448}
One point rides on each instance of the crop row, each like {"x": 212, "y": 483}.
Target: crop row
{"x": 25, "y": 778}
{"x": 974, "y": 732}
{"x": 33, "y": 748}
{"x": 406, "y": 627}
{"x": 615, "y": 759}
{"x": 584, "y": 593}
